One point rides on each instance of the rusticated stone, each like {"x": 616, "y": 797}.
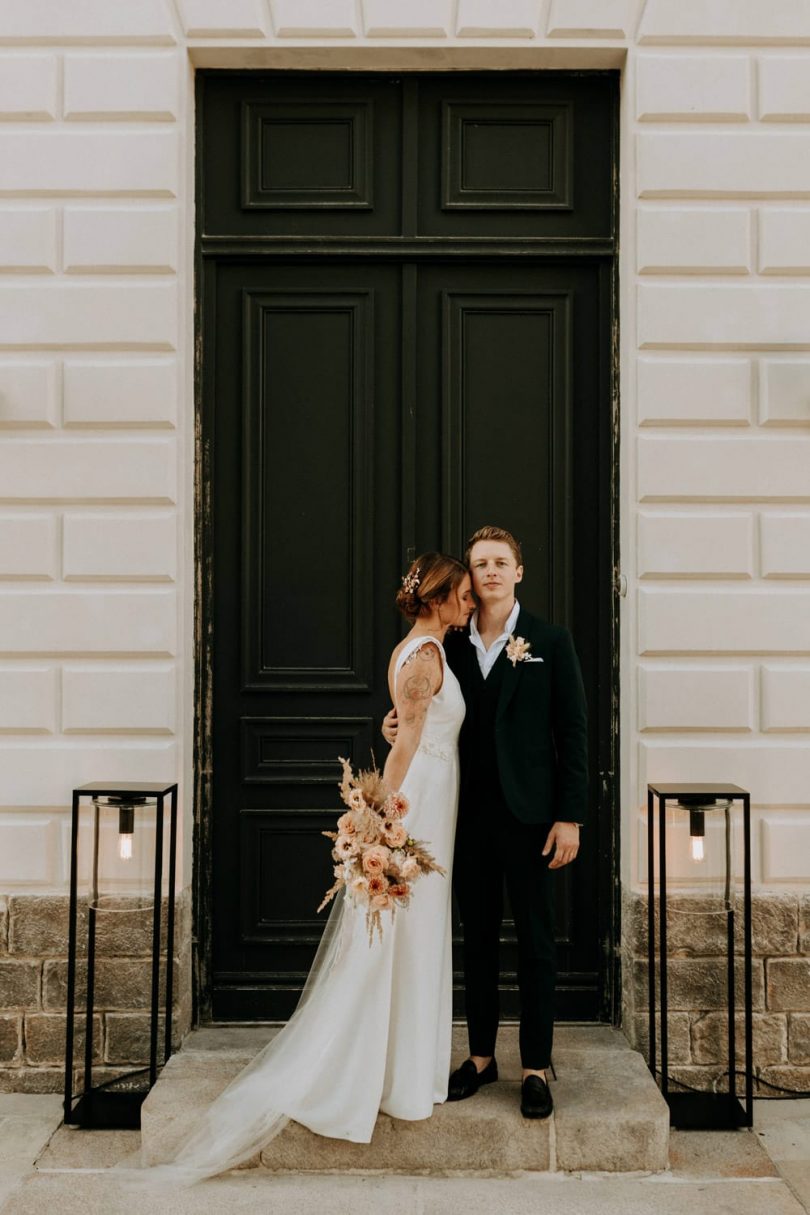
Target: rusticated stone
{"x": 799, "y": 1037}
{"x": 774, "y": 925}
{"x": 788, "y": 984}
{"x": 677, "y": 1036}
{"x": 45, "y": 1037}
{"x": 19, "y": 984}
{"x": 128, "y": 1037}
{"x": 804, "y": 924}
{"x": 54, "y": 985}
{"x": 10, "y": 1038}
{"x": 38, "y": 926}
{"x": 697, "y": 926}
{"x": 710, "y": 1038}
{"x": 182, "y": 981}
{"x": 124, "y": 983}
{"x": 705, "y": 1079}
{"x": 634, "y": 924}
{"x": 3, "y": 925}
{"x": 639, "y": 984}
{"x": 32, "y": 1079}
{"x": 698, "y": 984}
{"x": 125, "y": 925}
{"x": 786, "y": 1075}
{"x": 126, "y": 930}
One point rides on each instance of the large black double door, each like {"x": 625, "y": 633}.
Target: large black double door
{"x": 406, "y": 290}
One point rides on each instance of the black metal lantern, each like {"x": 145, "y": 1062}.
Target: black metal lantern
{"x": 695, "y": 832}
{"x": 125, "y": 873}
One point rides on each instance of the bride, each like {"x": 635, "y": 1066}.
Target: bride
{"x": 372, "y": 1029}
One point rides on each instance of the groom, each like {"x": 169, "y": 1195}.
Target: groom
{"x": 523, "y": 797}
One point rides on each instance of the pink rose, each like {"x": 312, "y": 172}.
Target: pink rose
{"x": 375, "y": 859}
{"x": 396, "y": 835}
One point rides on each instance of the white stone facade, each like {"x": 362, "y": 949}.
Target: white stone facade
{"x": 97, "y": 401}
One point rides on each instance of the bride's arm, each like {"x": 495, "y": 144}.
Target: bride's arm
{"x": 419, "y": 679}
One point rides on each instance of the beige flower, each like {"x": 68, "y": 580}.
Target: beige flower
{"x": 381, "y": 902}
{"x": 399, "y": 890}
{"x": 347, "y": 824}
{"x": 375, "y": 859}
{"x": 395, "y": 835}
{"x": 378, "y": 884}
{"x": 359, "y": 888}
{"x": 356, "y": 800}
{"x": 346, "y": 846}
{"x": 409, "y": 868}
{"x": 517, "y": 649}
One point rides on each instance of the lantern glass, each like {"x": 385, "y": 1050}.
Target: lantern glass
{"x": 701, "y": 853}
{"x": 121, "y": 869}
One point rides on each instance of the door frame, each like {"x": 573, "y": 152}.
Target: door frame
{"x": 608, "y": 827}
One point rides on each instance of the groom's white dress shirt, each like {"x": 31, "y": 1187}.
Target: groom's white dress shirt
{"x": 488, "y": 657}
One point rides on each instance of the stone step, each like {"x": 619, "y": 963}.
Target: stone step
{"x": 609, "y": 1115}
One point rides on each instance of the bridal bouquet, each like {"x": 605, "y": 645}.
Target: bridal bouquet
{"x": 375, "y": 858}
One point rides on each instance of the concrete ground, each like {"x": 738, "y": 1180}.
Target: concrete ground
{"x": 47, "y": 1167}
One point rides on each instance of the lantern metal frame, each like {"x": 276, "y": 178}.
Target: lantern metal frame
{"x": 699, "y": 1110}
{"x": 100, "y": 1107}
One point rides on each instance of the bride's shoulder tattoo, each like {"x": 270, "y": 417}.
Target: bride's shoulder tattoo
{"x": 417, "y": 688}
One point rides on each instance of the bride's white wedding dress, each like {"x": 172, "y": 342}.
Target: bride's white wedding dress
{"x": 372, "y": 1029}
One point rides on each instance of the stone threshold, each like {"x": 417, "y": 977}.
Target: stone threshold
{"x": 609, "y": 1115}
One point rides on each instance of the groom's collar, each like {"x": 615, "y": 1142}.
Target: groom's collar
{"x": 508, "y": 628}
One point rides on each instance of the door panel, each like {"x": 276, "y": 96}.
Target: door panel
{"x": 295, "y": 155}
{"x": 307, "y": 550}
{"x": 499, "y": 385}
{"x": 526, "y": 156}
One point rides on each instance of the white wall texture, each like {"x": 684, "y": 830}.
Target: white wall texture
{"x": 96, "y": 392}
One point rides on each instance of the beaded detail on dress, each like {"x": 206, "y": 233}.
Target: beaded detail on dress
{"x": 435, "y": 749}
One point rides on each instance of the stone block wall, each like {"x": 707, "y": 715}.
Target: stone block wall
{"x": 697, "y": 992}
{"x": 33, "y": 990}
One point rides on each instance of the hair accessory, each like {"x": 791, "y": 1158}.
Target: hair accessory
{"x": 411, "y": 581}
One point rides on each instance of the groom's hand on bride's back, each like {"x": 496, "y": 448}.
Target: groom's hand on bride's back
{"x": 563, "y": 838}
{"x": 390, "y": 726}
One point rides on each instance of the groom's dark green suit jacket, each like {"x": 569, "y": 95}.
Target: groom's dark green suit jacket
{"x": 541, "y": 734}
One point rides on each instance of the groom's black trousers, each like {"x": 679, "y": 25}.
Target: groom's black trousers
{"x": 492, "y": 846}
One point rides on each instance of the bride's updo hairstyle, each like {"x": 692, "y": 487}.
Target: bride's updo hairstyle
{"x": 428, "y": 583}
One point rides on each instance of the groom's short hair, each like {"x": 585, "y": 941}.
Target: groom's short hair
{"x": 494, "y": 533}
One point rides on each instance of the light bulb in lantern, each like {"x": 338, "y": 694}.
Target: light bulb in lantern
{"x": 126, "y": 829}
{"x": 697, "y": 830}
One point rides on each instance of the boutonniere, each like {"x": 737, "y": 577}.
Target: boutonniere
{"x": 517, "y": 649}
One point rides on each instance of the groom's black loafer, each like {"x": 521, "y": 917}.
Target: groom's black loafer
{"x": 535, "y": 1098}
{"x": 467, "y": 1079}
